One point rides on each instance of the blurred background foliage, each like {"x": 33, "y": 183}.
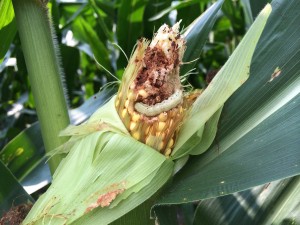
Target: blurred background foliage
{"x": 89, "y": 30}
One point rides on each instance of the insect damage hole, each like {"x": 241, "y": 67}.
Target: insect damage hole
{"x": 164, "y": 106}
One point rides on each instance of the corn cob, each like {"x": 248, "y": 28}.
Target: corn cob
{"x": 150, "y": 100}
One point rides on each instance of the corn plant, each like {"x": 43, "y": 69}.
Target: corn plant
{"x": 122, "y": 159}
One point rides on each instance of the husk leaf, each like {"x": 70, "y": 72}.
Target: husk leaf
{"x": 101, "y": 168}
{"x": 232, "y": 75}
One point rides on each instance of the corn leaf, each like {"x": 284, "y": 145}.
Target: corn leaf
{"x": 258, "y": 136}
{"x": 153, "y": 7}
{"x": 272, "y": 203}
{"x": 129, "y": 25}
{"x": 177, "y": 5}
{"x": 196, "y": 35}
{"x": 222, "y": 86}
{"x": 8, "y": 28}
{"x": 85, "y": 32}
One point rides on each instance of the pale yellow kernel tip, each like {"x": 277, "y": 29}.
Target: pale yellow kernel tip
{"x": 135, "y": 117}
{"x": 124, "y": 112}
{"x": 163, "y": 116}
{"x": 132, "y": 126}
{"x": 136, "y": 135}
{"x": 130, "y": 96}
{"x": 143, "y": 93}
{"x": 117, "y": 103}
{"x": 180, "y": 109}
{"x": 168, "y": 152}
{"x": 148, "y": 140}
{"x": 170, "y": 144}
{"x": 161, "y": 126}
{"x": 126, "y": 103}
{"x": 162, "y": 135}
{"x": 161, "y": 145}
{"x": 120, "y": 95}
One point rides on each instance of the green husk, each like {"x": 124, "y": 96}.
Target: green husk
{"x": 232, "y": 75}
{"x": 97, "y": 165}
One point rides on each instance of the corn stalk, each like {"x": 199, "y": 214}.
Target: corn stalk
{"x": 39, "y": 48}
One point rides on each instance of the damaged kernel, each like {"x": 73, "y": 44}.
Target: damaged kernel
{"x": 155, "y": 102}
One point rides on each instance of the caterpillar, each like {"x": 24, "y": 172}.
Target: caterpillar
{"x": 164, "y": 106}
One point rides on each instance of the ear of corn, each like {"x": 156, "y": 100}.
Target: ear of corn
{"x": 150, "y": 101}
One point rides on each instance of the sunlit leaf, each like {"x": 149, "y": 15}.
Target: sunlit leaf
{"x": 8, "y": 26}
{"x": 258, "y": 137}
{"x": 224, "y": 84}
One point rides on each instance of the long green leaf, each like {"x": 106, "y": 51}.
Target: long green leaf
{"x": 129, "y": 26}
{"x": 177, "y": 5}
{"x": 196, "y": 35}
{"x": 258, "y": 138}
{"x": 151, "y": 8}
{"x": 224, "y": 84}
{"x": 273, "y": 203}
{"x": 85, "y": 32}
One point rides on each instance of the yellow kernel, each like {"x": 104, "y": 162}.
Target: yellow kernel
{"x": 126, "y": 103}
{"x": 124, "y": 112}
{"x": 180, "y": 109}
{"x": 143, "y": 93}
{"x": 162, "y": 135}
{"x": 120, "y": 94}
{"x": 136, "y": 135}
{"x": 117, "y": 103}
{"x": 160, "y": 146}
{"x": 161, "y": 126}
{"x": 170, "y": 144}
{"x": 132, "y": 126}
{"x": 130, "y": 96}
{"x": 135, "y": 117}
{"x": 163, "y": 116}
{"x": 168, "y": 152}
{"x": 149, "y": 139}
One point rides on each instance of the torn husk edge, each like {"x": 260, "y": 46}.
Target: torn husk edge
{"x": 105, "y": 175}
